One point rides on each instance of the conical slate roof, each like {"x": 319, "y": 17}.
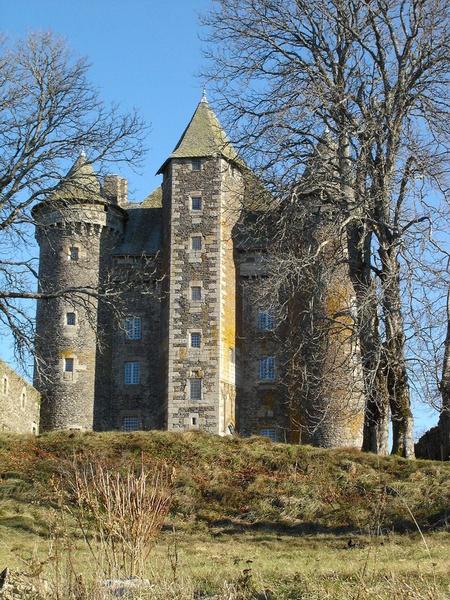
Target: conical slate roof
{"x": 80, "y": 183}
{"x": 203, "y": 137}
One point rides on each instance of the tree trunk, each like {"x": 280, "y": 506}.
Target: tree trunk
{"x": 397, "y": 378}
{"x": 444, "y": 420}
{"x": 376, "y": 417}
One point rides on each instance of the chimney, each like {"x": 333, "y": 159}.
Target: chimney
{"x": 115, "y": 189}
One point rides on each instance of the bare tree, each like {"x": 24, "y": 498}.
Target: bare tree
{"x": 49, "y": 113}
{"x": 373, "y": 73}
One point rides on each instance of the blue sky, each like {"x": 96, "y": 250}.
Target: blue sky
{"x": 144, "y": 54}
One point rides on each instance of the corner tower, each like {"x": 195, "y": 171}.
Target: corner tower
{"x": 202, "y": 191}
{"x": 76, "y": 229}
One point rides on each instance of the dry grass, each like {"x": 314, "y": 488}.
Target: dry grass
{"x": 252, "y": 519}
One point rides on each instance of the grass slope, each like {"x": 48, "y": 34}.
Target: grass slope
{"x": 291, "y": 516}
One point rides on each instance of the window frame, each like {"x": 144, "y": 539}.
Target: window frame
{"x": 194, "y": 209}
{"x": 128, "y": 429}
{"x": 264, "y": 432}
{"x": 191, "y": 337}
{"x": 266, "y": 320}
{"x": 69, "y": 364}
{"x": 133, "y": 328}
{"x": 74, "y": 318}
{"x": 196, "y": 397}
{"x": 197, "y": 237}
{"x": 132, "y": 372}
{"x": 74, "y": 253}
{"x": 196, "y": 164}
{"x": 266, "y": 368}
{"x": 200, "y": 292}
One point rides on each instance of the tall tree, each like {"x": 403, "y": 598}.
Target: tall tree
{"x": 374, "y": 74}
{"x": 49, "y": 114}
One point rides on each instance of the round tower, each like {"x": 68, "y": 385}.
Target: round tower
{"x": 75, "y": 228}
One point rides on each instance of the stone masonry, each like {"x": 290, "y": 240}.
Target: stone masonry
{"x": 19, "y": 403}
{"x": 192, "y": 349}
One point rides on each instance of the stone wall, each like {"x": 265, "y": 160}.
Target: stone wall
{"x": 145, "y": 399}
{"x": 19, "y": 403}
{"x": 188, "y": 268}
{"x": 435, "y": 443}
{"x": 68, "y": 396}
{"x": 261, "y": 404}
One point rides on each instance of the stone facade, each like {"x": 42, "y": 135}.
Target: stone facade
{"x": 193, "y": 349}
{"x": 19, "y": 403}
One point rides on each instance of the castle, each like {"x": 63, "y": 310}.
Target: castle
{"x": 193, "y": 348}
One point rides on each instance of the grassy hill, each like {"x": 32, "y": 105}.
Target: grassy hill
{"x": 248, "y": 508}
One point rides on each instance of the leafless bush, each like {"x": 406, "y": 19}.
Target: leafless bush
{"x": 119, "y": 512}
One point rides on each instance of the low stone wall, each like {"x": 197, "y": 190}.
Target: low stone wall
{"x": 19, "y": 403}
{"x": 434, "y": 444}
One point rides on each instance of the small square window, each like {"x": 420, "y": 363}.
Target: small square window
{"x": 131, "y": 423}
{"x": 68, "y": 365}
{"x": 196, "y": 293}
{"x": 196, "y": 339}
{"x": 133, "y": 328}
{"x": 71, "y": 318}
{"x": 195, "y": 389}
{"x": 267, "y": 368}
{"x": 74, "y": 253}
{"x": 196, "y": 203}
{"x": 196, "y": 242}
{"x": 132, "y": 373}
{"x": 196, "y": 164}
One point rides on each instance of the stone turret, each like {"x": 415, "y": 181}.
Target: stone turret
{"x": 202, "y": 187}
{"x": 76, "y": 228}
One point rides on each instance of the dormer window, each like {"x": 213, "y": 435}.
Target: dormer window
{"x": 196, "y": 164}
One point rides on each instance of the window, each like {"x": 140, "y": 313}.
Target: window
{"x": 71, "y": 318}
{"x": 196, "y": 203}
{"x": 269, "y": 433}
{"x": 232, "y": 352}
{"x": 68, "y": 365}
{"x": 133, "y": 328}
{"x": 24, "y": 399}
{"x": 196, "y": 339}
{"x": 267, "y": 368}
{"x": 131, "y": 423}
{"x": 132, "y": 373}
{"x": 5, "y": 385}
{"x": 195, "y": 389}
{"x": 74, "y": 253}
{"x": 196, "y": 292}
{"x": 194, "y": 421}
{"x": 266, "y": 321}
{"x": 196, "y": 242}
{"x": 196, "y": 164}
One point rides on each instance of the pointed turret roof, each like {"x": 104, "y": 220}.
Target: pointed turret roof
{"x": 203, "y": 137}
{"x": 80, "y": 183}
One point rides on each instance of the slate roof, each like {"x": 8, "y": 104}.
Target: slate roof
{"x": 80, "y": 183}
{"x": 153, "y": 200}
{"x": 203, "y": 137}
{"x": 143, "y": 231}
